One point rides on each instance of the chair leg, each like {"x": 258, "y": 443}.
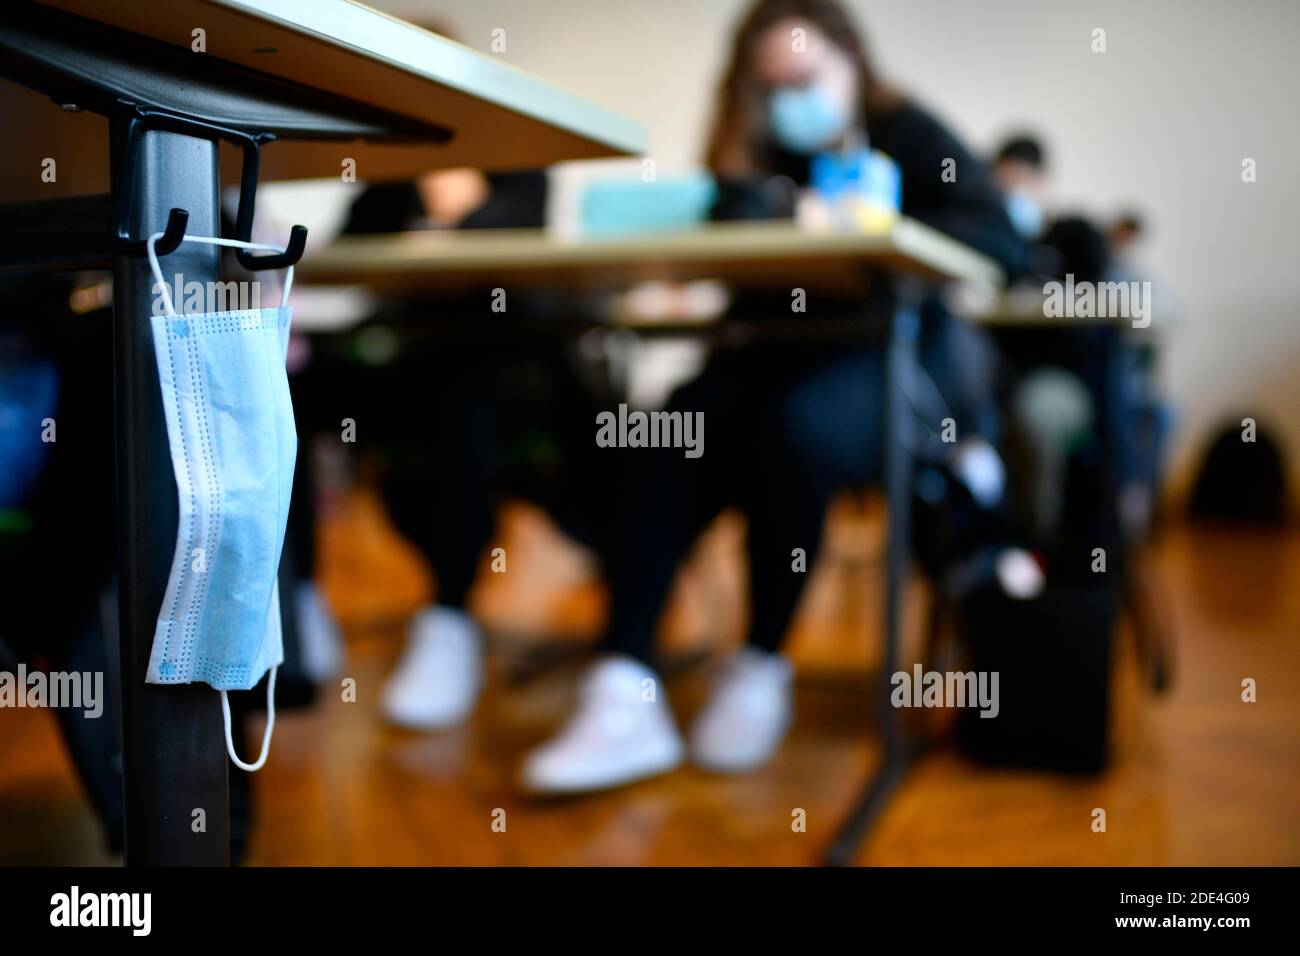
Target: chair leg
{"x": 1154, "y": 637}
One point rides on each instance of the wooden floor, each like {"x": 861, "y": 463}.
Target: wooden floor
{"x": 1199, "y": 777}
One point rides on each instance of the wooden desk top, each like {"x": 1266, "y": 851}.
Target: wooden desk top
{"x": 402, "y": 89}
{"x": 500, "y": 116}
{"x": 773, "y": 255}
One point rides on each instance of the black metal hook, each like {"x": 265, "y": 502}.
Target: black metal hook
{"x": 276, "y": 260}
{"x": 177, "y": 219}
{"x": 173, "y": 233}
{"x": 142, "y": 119}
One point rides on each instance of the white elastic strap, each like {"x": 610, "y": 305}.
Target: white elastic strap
{"x": 211, "y": 241}
{"x": 266, "y": 735}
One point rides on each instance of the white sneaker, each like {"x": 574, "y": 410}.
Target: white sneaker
{"x": 615, "y": 737}
{"x": 978, "y": 467}
{"x": 436, "y": 683}
{"x": 747, "y": 717}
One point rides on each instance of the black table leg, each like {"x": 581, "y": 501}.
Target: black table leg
{"x": 901, "y": 352}
{"x": 173, "y": 744}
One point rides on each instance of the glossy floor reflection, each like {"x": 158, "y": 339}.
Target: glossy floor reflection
{"x": 1198, "y": 778}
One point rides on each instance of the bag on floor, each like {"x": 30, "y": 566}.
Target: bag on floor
{"x": 1053, "y": 656}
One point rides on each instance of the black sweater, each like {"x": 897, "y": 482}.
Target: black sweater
{"x": 971, "y": 209}
{"x": 515, "y": 201}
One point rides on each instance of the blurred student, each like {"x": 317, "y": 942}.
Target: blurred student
{"x": 1020, "y": 171}
{"x": 1057, "y": 383}
{"x": 787, "y": 427}
{"x": 441, "y": 414}
{"x": 443, "y": 409}
{"x": 1054, "y": 378}
{"x": 1124, "y": 235}
{"x": 431, "y": 419}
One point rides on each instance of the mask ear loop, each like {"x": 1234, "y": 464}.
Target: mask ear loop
{"x": 170, "y": 311}
{"x": 266, "y": 735}
{"x": 168, "y": 308}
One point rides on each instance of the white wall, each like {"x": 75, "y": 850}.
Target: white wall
{"x": 1160, "y": 121}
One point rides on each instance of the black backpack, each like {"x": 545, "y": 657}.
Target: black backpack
{"x": 1053, "y": 654}
{"x": 1242, "y": 480}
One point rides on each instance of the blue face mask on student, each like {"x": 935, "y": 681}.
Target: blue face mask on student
{"x": 233, "y": 444}
{"x": 806, "y": 120}
{"x": 1025, "y": 213}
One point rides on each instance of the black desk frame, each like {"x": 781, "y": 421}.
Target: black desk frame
{"x": 895, "y": 748}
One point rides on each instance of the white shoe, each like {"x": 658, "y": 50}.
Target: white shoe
{"x": 978, "y": 467}
{"x": 437, "y": 681}
{"x": 747, "y": 716}
{"x": 622, "y": 731}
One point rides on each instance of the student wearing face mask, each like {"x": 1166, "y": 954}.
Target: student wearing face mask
{"x": 788, "y": 426}
{"x": 1020, "y": 170}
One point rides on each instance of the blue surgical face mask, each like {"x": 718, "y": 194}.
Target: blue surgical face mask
{"x": 1026, "y": 215}
{"x": 233, "y": 445}
{"x": 806, "y": 120}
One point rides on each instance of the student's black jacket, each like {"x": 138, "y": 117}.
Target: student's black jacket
{"x": 515, "y": 201}
{"x": 970, "y": 209}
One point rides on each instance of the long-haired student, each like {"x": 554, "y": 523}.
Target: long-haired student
{"x": 786, "y": 427}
